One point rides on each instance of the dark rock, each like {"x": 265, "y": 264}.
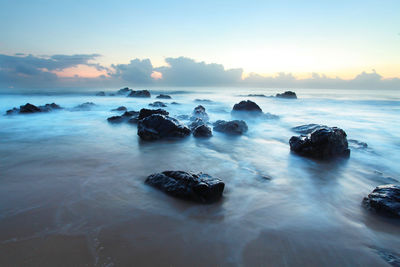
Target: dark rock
{"x": 257, "y": 95}
{"x": 123, "y": 91}
{"x": 131, "y": 113}
{"x": 324, "y": 143}
{"x": 144, "y": 112}
{"x": 203, "y": 100}
{"x": 235, "y": 127}
{"x": 29, "y": 108}
{"x": 308, "y": 128}
{"x": 85, "y": 106}
{"x": 202, "y": 131}
{"x": 357, "y": 144}
{"x": 247, "y": 105}
{"x": 159, "y": 126}
{"x": 116, "y": 119}
{"x": 112, "y": 94}
{"x": 199, "y": 187}
{"x": 158, "y": 104}
{"x": 139, "y": 93}
{"x": 101, "y": 94}
{"x": 195, "y": 123}
{"x": 199, "y": 112}
{"x": 385, "y": 200}
{"x": 287, "y": 94}
{"x": 121, "y": 108}
{"x": 175, "y": 103}
{"x": 162, "y": 96}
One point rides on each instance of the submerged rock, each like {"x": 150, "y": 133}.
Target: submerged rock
{"x": 287, "y": 94}
{"x": 128, "y": 116}
{"x": 198, "y": 187}
{"x": 357, "y": 144}
{"x": 324, "y": 143}
{"x": 116, "y": 119}
{"x": 257, "y": 95}
{"x": 29, "y": 108}
{"x": 199, "y": 112}
{"x": 235, "y": 127}
{"x": 308, "y": 128}
{"x": 101, "y": 93}
{"x": 158, "y": 104}
{"x": 195, "y": 123}
{"x": 202, "y": 130}
{"x": 175, "y": 103}
{"x": 121, "y": 108}
{"x": 85, "y": 106}
{"x": 203, "y": 100}
{"x": 162, "y": 96}
{"x": 139, "y": 93}
{"x": 247, "y": 105}
{"x": 144, "y": 112}
{"x": 159, "y": 126}
{"x": 385, "y": 200}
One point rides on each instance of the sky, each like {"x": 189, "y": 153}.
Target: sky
{"x": 263, "y": 42}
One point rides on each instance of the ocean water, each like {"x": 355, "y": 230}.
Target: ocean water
{"x": 72, "y": 189}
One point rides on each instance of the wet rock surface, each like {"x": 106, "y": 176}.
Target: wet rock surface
{"x": 162, "y": 96}
{"x": 123, "y": 91}
{"x": 247, "y": 105}
{"x": 235, "y": 127}
{"x": 158, "y": 126}
{"x": 144, "y": 112}
{"x": 287, "y": 94}
{"x": 199, "y": 187}
{"x": 121, "y": 108}
{"x": 308, "y": 128}
{"x": 384, "y": 200}
{"x": 139, "y": 93}
{"x": 202, "y": 131}
{"x": 128, "y": 116}
{"x": 324, "y": 143}
{"x": 29, "y": 108}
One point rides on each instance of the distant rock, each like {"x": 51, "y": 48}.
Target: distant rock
{"x": 158, "y": 126}
{"x": 162, "y": 96}
{"x": 248, "y": 106}
{"x": 324, "y": 143}
{"x": 203, "y": 100}
{"x": 175, "y": 103}
{"x": 85, "y": 106}
{"x": 29, "y": 108}
{"x": 202, "y": 130}
{"x": 235, "y": 127}
{"x": 287, "y": 94}
{"x": 139, "y": 93}
{"x": 257, "y": 95}
{"x": 199, "y": 112}
{"x": 121, "y": 108}
{"x": 158, "y": 104}
{"x": 101, "y": 93}
{"x": 385, "y": 200}
{"x": 198, "y": 187}
{"x": 144, "y": 112}
{"x": 123, "y": 91}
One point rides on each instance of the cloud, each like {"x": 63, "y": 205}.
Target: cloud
{"x": 184, "y": 71}
{"x": 136, "y": 72}
{"x": 28, "y": 70}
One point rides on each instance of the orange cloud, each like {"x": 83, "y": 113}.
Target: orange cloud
{"x": 83, "y": 71}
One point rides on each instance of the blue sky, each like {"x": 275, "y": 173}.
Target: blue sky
{"x": 337, "y": 38}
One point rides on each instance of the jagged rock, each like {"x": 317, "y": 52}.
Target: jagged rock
{"x": 202, "y": 130}
{"x": 199, "y": 187}
{"x": 324, "y": 143}
{"x": 144, "y": 112}
{"x": 101, "y": 93}
{"x": 162, "y": 96}
{"x": 248, "y": 106}
{"x": 123, "y": 91}
{"x": 159, "y": 126}
{"x": 199, "y": 112}
{"x": 287, "y": 94}
{"x": 139, "y": 93}
{"x": 385, "y": 200}
{"x": 121, "y": 108}
{"x": 308, "y": 128}
{"x": 235, "y": 127}
{"x": 29, "y": 108}
{"x": 195, "y": 123}
{"x": 158, "y": 104}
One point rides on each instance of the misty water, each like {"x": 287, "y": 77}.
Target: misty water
{"x": 72, "y": 186}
